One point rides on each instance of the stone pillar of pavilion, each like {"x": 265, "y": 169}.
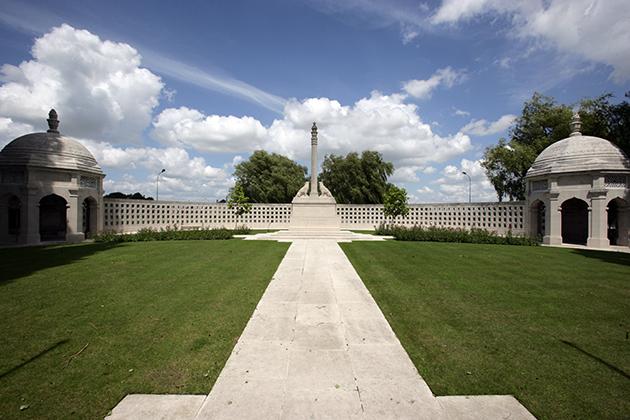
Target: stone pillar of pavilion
{"x": 314, "y": 207}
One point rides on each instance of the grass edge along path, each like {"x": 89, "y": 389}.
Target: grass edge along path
{"x": 85, "y": 325}
{"x": 546, "y": 325}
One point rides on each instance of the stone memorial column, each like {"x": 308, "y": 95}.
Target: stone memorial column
{"x": 313, "y": 192}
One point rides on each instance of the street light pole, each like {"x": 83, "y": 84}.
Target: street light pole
{"x": 469, "y": 187}
{"x": 157, "y": 185}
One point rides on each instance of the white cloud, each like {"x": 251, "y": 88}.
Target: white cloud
{"x": 461, "y": 113}
{"x": 453, "y": 185}
{"x": 384, "y": 123}
{"x": 186, "y": 177}
{"x": 211, "y": 80}
{"x": 98, "y": 87}
{"x": 213, "y": 133}
{"x": 595, "y": 30}
{"x": 423, "y": 89}
{"x": 405, "y": 174}
{"x": 486, "y": 128}
{"x": 9, "y": 130}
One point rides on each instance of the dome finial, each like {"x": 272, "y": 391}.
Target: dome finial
{"x": 53, "y": 122}
{"x": 576, "y": 125}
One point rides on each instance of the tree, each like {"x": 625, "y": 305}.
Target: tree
{"x": 269, "y": 178}
{"x": 395, "y": 202}
{"x": 543, "y": 122}
{"x": 239, "y": 202}
{"x": 355, "y": 179}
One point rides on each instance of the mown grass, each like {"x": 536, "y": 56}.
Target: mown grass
{"x": 82, "y": 326}
{"x": 550, "y": 326}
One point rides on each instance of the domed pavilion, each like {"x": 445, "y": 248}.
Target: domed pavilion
{"x": 51, "y": 189}
{"x": 577, "y": 192}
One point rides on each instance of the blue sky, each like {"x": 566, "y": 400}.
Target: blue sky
{"x": 195, "y": 87}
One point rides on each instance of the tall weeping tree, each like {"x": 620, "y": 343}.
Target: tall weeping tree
{"x": 357, "y": 179}
{"x": 269, "y": 177}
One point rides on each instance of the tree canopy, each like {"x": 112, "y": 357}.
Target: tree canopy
{"x": 269, "y": 177}
{"x": 395, "y": 202}
{"x": 238, "y": 201}
{"x": 542, "y": 122}
{"x": 355, "y": 179}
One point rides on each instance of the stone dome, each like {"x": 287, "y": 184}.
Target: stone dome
{"x": 579, "y": 153}
{"x": 49, "y": 150}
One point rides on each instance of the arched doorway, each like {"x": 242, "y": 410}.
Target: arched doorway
{"x": 52, "y": 218}
{"x": 537, "y": 220}
{"x": 14, "y": 220}
{"x": 89, "y": 217}
{"x": 574, "y": 221}
{"x": 617, "y": 227}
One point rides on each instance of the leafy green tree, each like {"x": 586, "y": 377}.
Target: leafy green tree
{"x": 543, "y": 122}
{"x": 269, "y": 178}
{"x": 395, "y": 202}
{"x": 355, "y": 179}
{"x": 239, "y": 202}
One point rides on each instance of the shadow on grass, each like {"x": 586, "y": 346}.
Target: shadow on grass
{"x": 621, "y": 258}
{"x": 35, "y": 357}
{"x": 596, "y": 358}
{"x": 19, "y": 262}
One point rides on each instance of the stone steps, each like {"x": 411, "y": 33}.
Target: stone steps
{"x": 313, "y": 234}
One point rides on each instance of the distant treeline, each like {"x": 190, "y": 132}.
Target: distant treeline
{"x": 134, "y": 196}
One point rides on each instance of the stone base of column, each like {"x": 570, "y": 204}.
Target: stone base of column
{"x": 314, "y": 213}
{"x": 552, "y": 240}
{"x": 597, "y": 243}
{"x": 75, "y": 237}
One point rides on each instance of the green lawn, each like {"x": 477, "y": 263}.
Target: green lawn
{"x": 547, "y": 325}
{"x": 82, "y": 326}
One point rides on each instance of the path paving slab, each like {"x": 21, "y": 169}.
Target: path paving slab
{"x": 157, "y": 407}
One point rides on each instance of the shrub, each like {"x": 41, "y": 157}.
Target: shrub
{"x": 241, "y": 230}
{"x": 168, "y": 234}
{"x": 440, "y": 234}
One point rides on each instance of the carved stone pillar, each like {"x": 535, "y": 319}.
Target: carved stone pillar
{"x": 553, "y": 221}
{"x": 598, "y": 220}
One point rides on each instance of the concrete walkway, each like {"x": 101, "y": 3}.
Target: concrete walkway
{"x": 318, "y": 347}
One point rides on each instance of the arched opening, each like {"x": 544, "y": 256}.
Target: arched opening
{"x": 89, "y": 217}
{"x": 617, "y": 223}
{"x": 574, "y": 221}
{"x": 52, "y": 218}
{"x": 537, "y": 220}
{"x": 14, "y": 221}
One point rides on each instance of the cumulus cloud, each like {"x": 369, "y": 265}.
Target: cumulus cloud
{"x": 213, "y": 133}
{"x": 186, "y": 176}
{"x": 97, "y": 86}
{"x": 595, "y": 30}
{"x": 485, "y": 128}
{"x": 423, "y": 89}
{"x": 384, "y": 123}
{"x": 453, "y": 184}
{"x": 10, "y": 129}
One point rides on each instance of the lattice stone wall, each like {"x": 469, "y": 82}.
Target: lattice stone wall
{"x": 123, "y": 215}
{"x": 131, "y": 215}
{"x": 497, "y": 217}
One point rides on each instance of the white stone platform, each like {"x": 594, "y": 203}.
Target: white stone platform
{"x": 295, "y": 234}
{"x": 318, "y": 347}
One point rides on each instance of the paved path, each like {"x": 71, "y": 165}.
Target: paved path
{"x": 318, "y": 347}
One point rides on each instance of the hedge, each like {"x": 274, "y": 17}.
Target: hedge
{"x": 440, "y": 234}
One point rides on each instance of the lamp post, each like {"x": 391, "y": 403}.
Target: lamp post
{"x": 469, "y": 187}
{"x": 157, "y": 185}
